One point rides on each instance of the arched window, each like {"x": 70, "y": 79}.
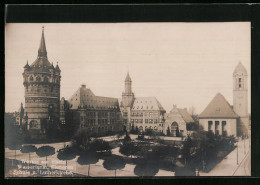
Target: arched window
{"x": 38, "y": 78}
{"x": 46, "y": 79}
{"x": 33, "y": 124}
{"x": 31, "y": 78}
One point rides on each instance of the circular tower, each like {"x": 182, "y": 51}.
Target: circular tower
{"x": 42, "y": 92}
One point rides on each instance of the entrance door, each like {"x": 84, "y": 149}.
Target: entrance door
{"x": 175, "y": 129}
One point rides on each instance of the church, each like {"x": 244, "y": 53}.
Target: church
{"x": 223, "y": 119}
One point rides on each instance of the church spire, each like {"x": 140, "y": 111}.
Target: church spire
{"x": 42, "y": 52}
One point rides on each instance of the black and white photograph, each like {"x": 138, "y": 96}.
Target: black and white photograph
{"x": 146, "y": 99}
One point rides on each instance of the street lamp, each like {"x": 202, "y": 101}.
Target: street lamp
{"x": 245, "y": 145}
{"x": 237, "y": 151}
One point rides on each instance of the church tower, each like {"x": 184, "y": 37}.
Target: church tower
{"x": 240, "y": 98}
{"x": 42, "y": 93}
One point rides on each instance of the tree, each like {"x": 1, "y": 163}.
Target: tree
{"x": 114, "y": 163}
{"x": 128, "y": 149}
{"x": 28, "y": 149}
{"x": 88, "y": 158}
{"x": 146, "y": 168}
{"x": 186, "y": 149}
{"x": 82, "y": 137}
{"x": 99, "y": 145}
{"x": 45, "y": 151}
{"x": 66, "y": 154}
{"x": 127, "y": 138}
{"x": 14, "y": 146}
{"x": 119, "y": 135}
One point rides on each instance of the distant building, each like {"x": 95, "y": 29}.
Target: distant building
{"x": 97, "y": 114}
{"x": 140, "y": 112}
{"x": 176, "y": 121}
{"x": 19, "y": 116}
{"x": 220, "y": 117}
{"x": 41, "y": 82}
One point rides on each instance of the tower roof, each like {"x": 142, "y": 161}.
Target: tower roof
{"x": 27, "y": 65}
{"x": 57, "y": 67}
{"x": 41, "y": 63}
{"x": 240, "y": 69}
{"x": 42, "y": 52}
{"x": 128, "y": 79}
{"x": 218, "y": 108}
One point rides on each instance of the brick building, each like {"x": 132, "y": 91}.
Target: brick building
{"x": 97, "y": 114}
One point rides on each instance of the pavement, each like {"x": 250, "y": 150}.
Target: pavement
{"x": 96, "y": 170}
{"x": 229, "y": 167}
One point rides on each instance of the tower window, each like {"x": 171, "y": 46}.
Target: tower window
{"x": 31, "y": 78}
{"x": 46, "y": 79}
{"x": 38, "y": 78}
{"x": 240, "y": 83}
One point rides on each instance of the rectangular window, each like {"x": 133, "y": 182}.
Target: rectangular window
{"x": 140, "y": 121}
{"x": 146, "y": 120}
{"x": 155, "y": 121}
{"x": 210, "y": 125}
{"x": 136, "y": 120}
{"x": 132, "y": 120}
{"x": 125, "y": 114}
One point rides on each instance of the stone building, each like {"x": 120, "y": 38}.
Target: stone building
{"x": 219, "y": 117}
{"x": 222, "y": 118}
{"x": 97, "y": 114}
{"x": 41, "y": 82}
{"x": 176, "y": 121}
{"x": 140, "y": 112}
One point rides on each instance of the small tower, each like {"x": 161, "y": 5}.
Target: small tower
{"x": 127, "y": 102}
{"x": 240, "y": 98}
{"x": 128, "y": 95}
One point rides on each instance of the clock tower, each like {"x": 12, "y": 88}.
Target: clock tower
{"x": 240, "y": 98}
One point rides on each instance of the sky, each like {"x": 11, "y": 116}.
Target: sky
{"x": 185, "y": 64}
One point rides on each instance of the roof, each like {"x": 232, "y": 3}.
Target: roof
{"x": 240, "y": 69}
{"x": 41, "y": 64}
{"x": 86, "y": 98}
{"x": 128, "y": 79}
{"x": 185, "y": 115}
{"x": 147, "y": 103}
{"x": 218, "y": 108}
{"x": 182, "y": 112}
{"x": 42, "y": 52}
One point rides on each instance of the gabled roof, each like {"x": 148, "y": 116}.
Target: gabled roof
{"x": 218, "y": 108}
{"x": 185, "y": 115}
{"x": 86, "y": 98}
{"x": 147, "y": 103}
{"x": 240, "y": 69}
